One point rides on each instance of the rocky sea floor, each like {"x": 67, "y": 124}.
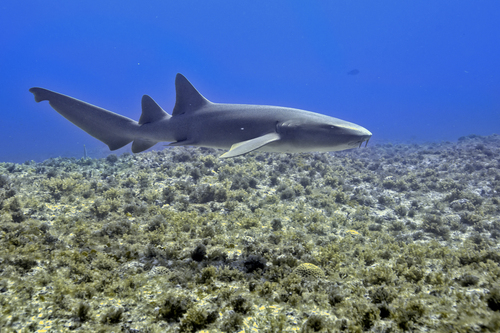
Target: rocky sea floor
{"x": 388, "y": 238}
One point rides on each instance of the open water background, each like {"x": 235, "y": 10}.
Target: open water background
{"x": 406, "y": 70}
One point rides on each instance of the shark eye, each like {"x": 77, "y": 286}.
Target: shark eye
{"x": 330, "y": 127}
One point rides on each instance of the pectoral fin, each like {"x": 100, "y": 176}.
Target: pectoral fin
{"x": 244, "y": 147}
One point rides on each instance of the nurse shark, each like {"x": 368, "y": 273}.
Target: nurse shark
{"x": 196, "y": 121}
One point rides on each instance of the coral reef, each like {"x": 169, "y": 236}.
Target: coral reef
{"x": 389, "y": 238}
{"x": 309, "y": 271}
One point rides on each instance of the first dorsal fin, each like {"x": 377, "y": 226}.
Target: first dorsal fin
{"x": 151, "y": 111}
{"x": 187, "y": 99}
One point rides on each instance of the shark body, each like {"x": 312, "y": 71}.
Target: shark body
{"x": 195, "y": 121}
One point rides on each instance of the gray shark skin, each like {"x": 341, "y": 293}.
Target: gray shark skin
{"x": 195, "y": 121}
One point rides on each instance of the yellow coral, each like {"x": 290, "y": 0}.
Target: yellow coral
{"x": 309, "y": 271}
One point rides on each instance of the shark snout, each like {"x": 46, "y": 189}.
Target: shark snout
{"x": 362, "y": 132}
{"x": 353, "y": 129}
{"x": 356, "y": 134}
{"x": 364, "y": 135}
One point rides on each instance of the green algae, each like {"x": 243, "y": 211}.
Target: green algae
{"x": 405, "y": 238}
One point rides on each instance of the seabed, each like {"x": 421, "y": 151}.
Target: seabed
{"x": 388, "y": 238}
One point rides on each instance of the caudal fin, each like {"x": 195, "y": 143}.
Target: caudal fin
{"x": 113, "y": 129}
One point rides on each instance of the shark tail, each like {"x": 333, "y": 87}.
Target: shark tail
{"x": 113, "y": 129}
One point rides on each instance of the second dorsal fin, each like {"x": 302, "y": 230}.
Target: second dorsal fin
{"x": 151, "y": 111}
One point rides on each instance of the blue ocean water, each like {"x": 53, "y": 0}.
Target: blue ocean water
{"x": 406, "y": 70}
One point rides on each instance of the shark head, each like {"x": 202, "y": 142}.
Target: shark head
{"x": 321, "y": 133}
